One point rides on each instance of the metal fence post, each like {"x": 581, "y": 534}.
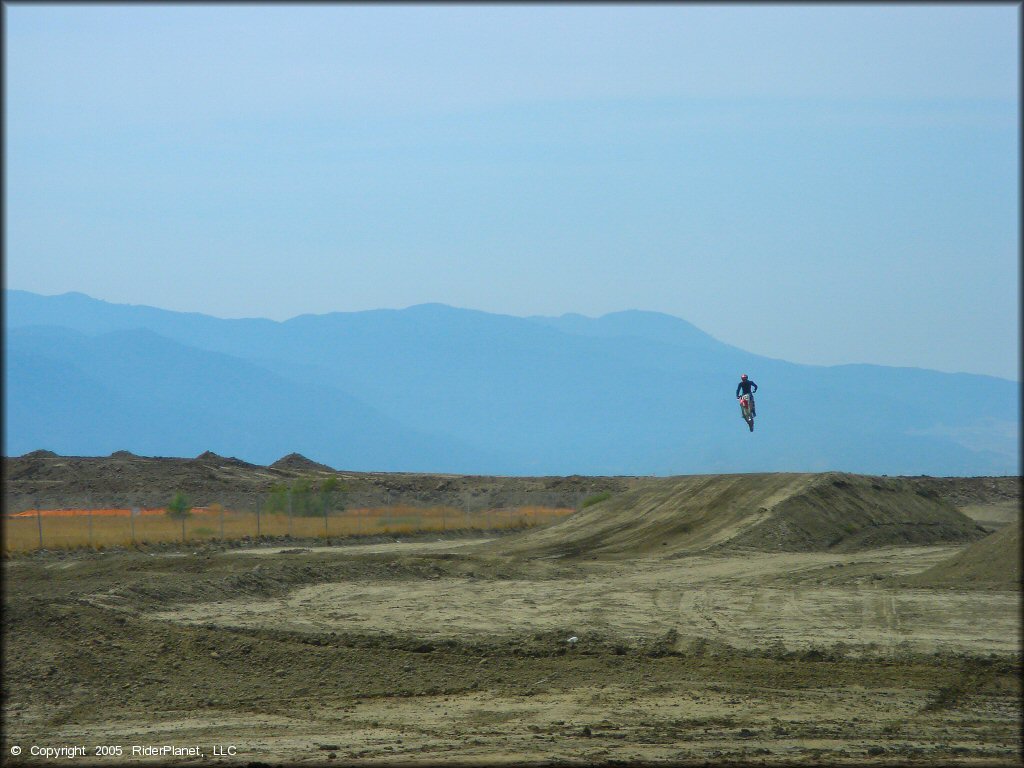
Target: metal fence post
{"x": 289, "y": 511}
{"x": 131, "y": 516}
{"x": 222, "y": 523}
{"x": 258, "y": 505}
{"x": 39, "y": 523}
{"x": 90, "y": 527}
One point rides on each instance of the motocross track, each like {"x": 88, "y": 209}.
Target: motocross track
{"x": 755, "y": 619}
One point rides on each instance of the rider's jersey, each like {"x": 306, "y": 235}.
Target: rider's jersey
{"x": 746, "y": 387}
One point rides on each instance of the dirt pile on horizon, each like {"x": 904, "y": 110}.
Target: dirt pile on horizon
{"x": 296, "y": 462}
{"x": 774, "y": 512}
{"x": 994, "y": 561}
{"x": 42, "y": 479}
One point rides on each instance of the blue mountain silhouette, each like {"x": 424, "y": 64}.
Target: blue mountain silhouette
{"x": 436, "y": 388}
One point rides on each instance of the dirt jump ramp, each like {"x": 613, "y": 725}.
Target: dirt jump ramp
{"x": 992, "y": 562}
{"x": 773, "y": 512}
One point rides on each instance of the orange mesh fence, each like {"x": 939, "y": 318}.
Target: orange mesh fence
{"x": 97, "y": 528}
{"x": 94, "y": 512}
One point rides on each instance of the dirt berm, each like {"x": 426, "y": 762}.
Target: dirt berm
{"x": 992, "y": 562}
{"x": 774, "y": 512}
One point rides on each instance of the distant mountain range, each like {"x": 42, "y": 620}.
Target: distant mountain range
{"x": 433, "y": 388}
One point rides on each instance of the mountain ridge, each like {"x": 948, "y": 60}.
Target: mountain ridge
{"x": 631, "y": 392}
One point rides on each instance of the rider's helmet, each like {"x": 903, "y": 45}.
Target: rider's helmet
{"x": 743, "y": 376}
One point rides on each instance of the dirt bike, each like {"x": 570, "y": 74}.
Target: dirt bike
{"x": 746, "y": 410}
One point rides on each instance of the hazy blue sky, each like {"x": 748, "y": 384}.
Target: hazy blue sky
{"x": 821, "y": 183}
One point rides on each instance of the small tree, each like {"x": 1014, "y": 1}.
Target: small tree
{"x": 332, "y": 495}
{"x": 179, "y": 509}
{"x": 277, "y": 501}
{"x": 305, "y": 497}
{"x": 304, "y": 503}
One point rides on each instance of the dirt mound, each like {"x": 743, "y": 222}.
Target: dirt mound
{"x": 994, "y": 562}
{"x": 846, "y": 513}
{"x": 765, "y": 512}
{"x": 296, "y": 462}
{"x": 971, "y": 491}
{"x": 40, "y": 455}
{"x": 993, "y": 502}
{"x": 209, "y": 457}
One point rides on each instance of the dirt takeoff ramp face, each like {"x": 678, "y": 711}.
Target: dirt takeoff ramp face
{"x": 991, "y": 563}
{"x": 774, "y": 512}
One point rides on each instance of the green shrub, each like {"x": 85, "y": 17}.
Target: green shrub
{"x": 305, "y": 498}
{"x": 947, "y": 697}
{"x": 179, "y": 508}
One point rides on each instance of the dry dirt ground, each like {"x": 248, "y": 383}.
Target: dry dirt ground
{"x": 745, "y": 619}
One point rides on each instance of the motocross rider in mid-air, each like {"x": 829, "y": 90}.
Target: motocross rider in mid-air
{"x": 748, "y": 387}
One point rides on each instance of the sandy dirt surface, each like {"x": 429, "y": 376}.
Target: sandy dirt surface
{"x": 395, "y": 547}
{"x": 994, "y": 515}
{"x": 792, "y": 601}
{"x": 688, "y": 647}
